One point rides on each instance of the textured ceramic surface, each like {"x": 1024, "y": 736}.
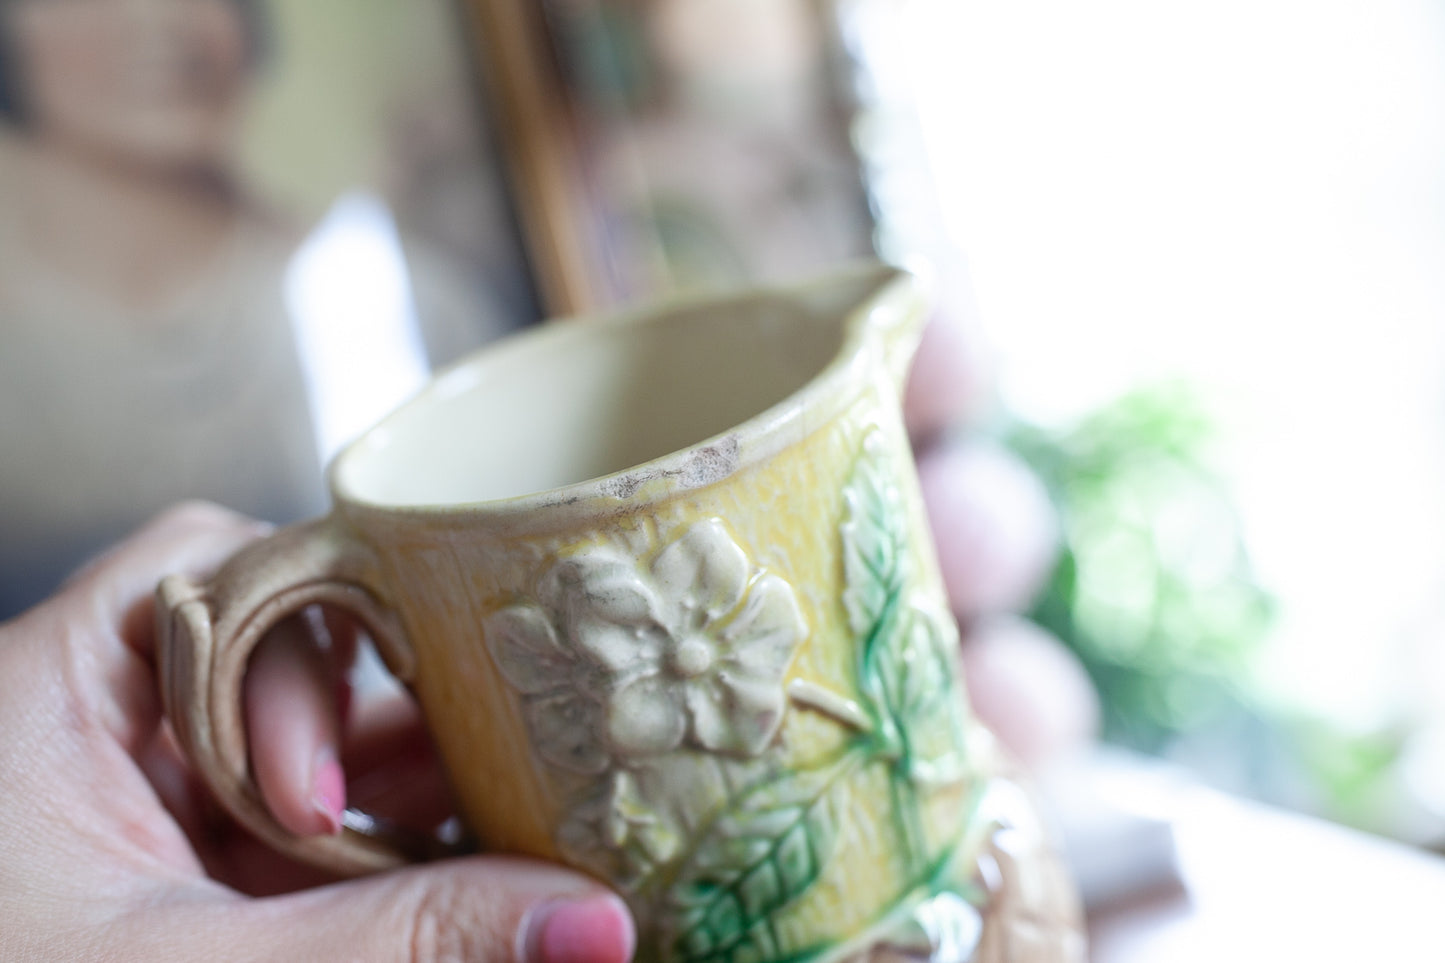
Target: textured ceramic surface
{"x": 722, "y": 679}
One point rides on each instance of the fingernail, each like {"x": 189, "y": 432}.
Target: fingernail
{"x": 594, "y": 929}
{"x": 328, "y": 791}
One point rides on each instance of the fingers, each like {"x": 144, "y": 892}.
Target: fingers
{"x": 116, "y": 589}
{"x": 95, "y": 637}
{"x": 949, "y": 383}
{"x": 392, "y": 766}
{"x": 477, "y": 909}
{"x": 309, "y": 762}
{"x": 293, "y": 725}
{"x": 396, "y": 777}
{"x": 994, "y": 526}
{"x": 1029, "y": 690}
{"x": 993, "y": 522}
{"x": 487, "y": 909}
{"x": 998, "y": 540}
{"x": 310, "y": 758}
{"x": 392, "y": 773}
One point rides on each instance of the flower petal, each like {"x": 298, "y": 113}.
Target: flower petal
{"x": 704, "y": 571}
{"x": 565, "y": 731}
{"x": 711, "y": 727}
{"x": 525, "y": 647}
{"x": 761, "y": 640}
{"x": 581, "y": 835}
{"x": 754, "y": 712}
{"x": 618, "y": 650}
{"x": 604, "y": 609}
{"x": 645, "y": 717}
{"x": 596, "y": 580}
{"x": 618, "y": 595}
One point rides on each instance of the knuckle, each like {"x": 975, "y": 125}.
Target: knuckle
{"x": 196, "y": 514}
{"x": 449, "y": 922}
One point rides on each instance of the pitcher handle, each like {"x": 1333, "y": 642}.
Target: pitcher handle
{"x": 206, "y": 632}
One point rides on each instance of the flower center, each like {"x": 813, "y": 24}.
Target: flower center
{"x": 692, "y": 657}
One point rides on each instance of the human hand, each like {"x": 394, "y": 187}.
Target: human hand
{"x": 111, "y": 844}
{"x": 110, "y": 850}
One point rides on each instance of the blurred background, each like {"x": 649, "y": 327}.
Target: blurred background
{"x": 1180, "y": 415}
{"x": 232, "y": 234}
{"x": 1205, "y": 241}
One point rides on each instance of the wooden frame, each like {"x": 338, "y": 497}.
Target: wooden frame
{"x": 519, "y": 65}
{"x": 626, "y": 199}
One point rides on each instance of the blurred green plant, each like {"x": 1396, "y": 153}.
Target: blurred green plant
{"x": 1153, "y": 591}
{"x": 1353, "y": 773}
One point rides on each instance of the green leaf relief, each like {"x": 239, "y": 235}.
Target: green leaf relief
{"x": 762, "y": 853}
{"x": 875, "y": 548}
{"x": 921, "y": 683}
{"x": 905, "y": 645}
{"x": 875, "y": 566}
{"x": 774, "y": 840}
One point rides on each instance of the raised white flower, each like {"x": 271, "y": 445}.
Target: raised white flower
{"x": 620, "y": 660}
{"x": 618, "y": 831}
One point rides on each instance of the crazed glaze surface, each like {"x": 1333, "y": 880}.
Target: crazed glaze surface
{"x": 740, "y": 707}
{"x": 657, "y": 679}
{"x": 725, "y": 682}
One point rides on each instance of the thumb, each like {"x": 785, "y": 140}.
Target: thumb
{"x": 493, "y": 909}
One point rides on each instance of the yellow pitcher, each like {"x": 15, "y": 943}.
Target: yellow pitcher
{"x": 662, "y": 586}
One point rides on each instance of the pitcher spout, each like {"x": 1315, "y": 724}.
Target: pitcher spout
{"x": 889, "y": 321}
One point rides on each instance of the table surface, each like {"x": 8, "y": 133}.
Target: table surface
{"x": 1259, "y": 884}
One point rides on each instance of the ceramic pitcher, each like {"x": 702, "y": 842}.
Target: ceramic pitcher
{"x": 663, "y": 588}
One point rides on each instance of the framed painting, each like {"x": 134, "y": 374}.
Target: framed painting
{"x": 681, "y": 144}
{"x": 232, "y": 234}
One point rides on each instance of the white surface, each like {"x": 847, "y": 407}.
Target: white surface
{"x": 1112, "y": 813}
{"x": 1263, "y": 885}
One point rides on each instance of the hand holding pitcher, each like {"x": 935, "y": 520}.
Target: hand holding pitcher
{"x": 662, "y": 587}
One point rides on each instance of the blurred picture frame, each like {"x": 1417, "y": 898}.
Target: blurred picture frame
{"x": 233, "y": 233}
{"x": 674, "y": 145}
{"x": 519, "y": 65}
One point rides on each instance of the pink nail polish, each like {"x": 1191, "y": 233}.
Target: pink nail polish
{"x": 595, "y": 929}
{"x": 328, "y": 792}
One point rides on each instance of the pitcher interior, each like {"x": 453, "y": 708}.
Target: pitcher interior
{"x": 579, "y": 400}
